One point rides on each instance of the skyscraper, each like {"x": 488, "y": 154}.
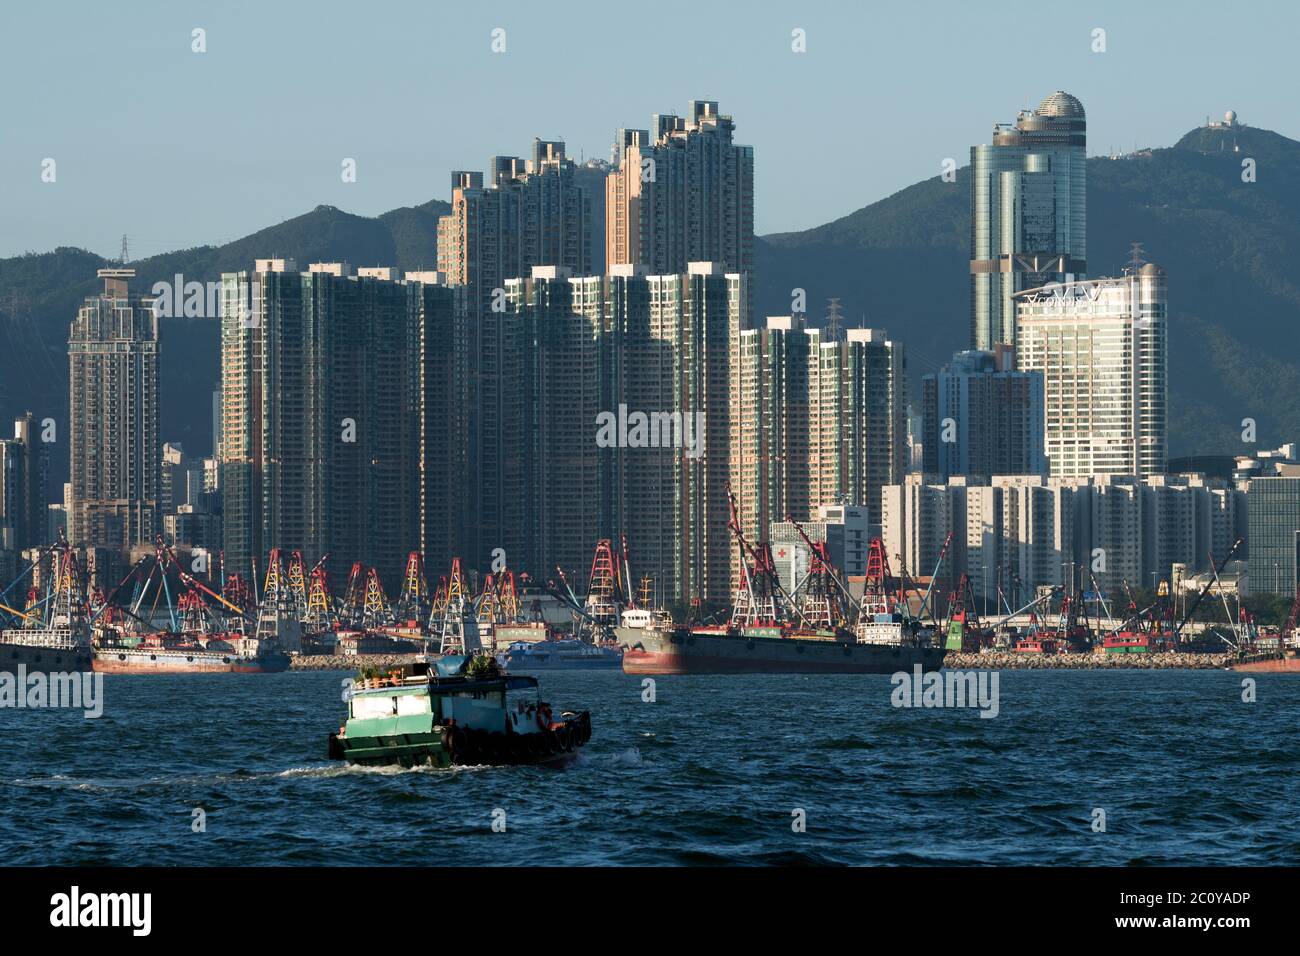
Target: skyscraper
{"x": 1101, "y": 347}
{"x": 541, "y": 480}
{"x": 1028, "y": 212}
{"x": 443, "y": 416}
{"x": 114, "y": 445}
{"x": 708, "y": 306}
{"x": 1273, "y": 519}
{"x": 681, "y": 193}
{"x": 983, "y": 417}
{"x": 23, "y": 496}
{"x": 817, "y": 418}
{"x": 569, "y": 349}
{"x": 535, "y": 212}
{"x": 326, "y": 438}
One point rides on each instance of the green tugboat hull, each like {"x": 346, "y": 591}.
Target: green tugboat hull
{"x": 428, "y": 749}
{"x": 405, "y": 750}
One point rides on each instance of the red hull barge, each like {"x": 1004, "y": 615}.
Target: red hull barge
{"x": 660, "y": 653}
{"x": 151, "y": 661}
{"x": 1269, "y": 665}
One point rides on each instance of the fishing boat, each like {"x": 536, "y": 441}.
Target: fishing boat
{"x": 52, "y": 635}
{"x": 1137, "y": 642}
{"x": 1273, "y": 653}
{"x": 459, "y": 710}
{"x": 45, "y": 649}
{"x": 204, "y": 632}
{"x": 183, "y": 654}
{"x": 1037, "y": 644}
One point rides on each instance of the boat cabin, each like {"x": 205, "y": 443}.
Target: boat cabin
{"x": 416, "y": 700}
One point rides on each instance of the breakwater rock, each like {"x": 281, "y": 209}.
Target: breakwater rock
{"x": 338, "y": 662}
{"x": 1000, "y": 660}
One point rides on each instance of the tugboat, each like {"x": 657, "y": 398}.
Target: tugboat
{"x": 460, "y": 710}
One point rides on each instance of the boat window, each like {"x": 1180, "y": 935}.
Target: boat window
{"x": 374, "y": 706}
{"x": 412, "y": 704}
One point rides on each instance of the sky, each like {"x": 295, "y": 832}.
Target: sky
{"x": 176, "y": 148}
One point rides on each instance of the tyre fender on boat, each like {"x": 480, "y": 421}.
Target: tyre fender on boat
{"x": 453, "y": 741}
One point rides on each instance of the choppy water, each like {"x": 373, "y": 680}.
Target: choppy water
{"x": 710, "y": 773}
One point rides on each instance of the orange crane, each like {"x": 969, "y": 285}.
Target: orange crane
{"x": 415, "y": 591}
{"x": 489, "y": 605}
{"x": 509, "y": 597}
{"x": 375, "y": 609}
{"x": 297, "y": 585}
{"x": 761, "y": 600}
{"x": 354, "y": 597}
{"x": 320, "y": 603}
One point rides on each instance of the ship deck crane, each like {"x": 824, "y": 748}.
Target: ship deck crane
{"x": 1187, "y": 615}
{"x": 934, "y": 576}
{"x": 821, "y": 556}
{"x": 762, "y": 586}
{"x": 1288, "y": 629}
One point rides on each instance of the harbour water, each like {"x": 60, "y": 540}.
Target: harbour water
{"x": 712, "y": 772}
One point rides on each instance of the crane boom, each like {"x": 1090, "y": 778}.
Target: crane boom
{"x": 1187, "y": 615}
{"x": 193, "y": 582}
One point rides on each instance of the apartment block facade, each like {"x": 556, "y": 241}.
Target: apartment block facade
{"x": 114, "y": 444}
{"x": 573, "y": 354}
{"x": 1101, "y": 348}
{"x": 681, "y": 192}
{"x": 531, "y": 212}
{"x": 24, "y": 466}
{"x": 817, "y": 418}
{"x": 983, "y": 417}
{"x": 1014, "y": 534}
{"x": 325, "y": 438}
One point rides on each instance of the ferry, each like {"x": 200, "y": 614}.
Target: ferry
{"x": 459, "y": 710}
{"x": 560, "y": 653}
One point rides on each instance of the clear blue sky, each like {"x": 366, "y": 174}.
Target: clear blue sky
{"x": 178, "y": 149}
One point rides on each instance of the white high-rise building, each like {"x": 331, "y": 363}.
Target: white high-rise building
{"x": 1101, "y": 346}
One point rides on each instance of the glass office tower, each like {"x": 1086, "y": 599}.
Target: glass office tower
{"x": 1028, "y": 215}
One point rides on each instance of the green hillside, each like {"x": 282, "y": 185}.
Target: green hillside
{"x": 39, "y": 296}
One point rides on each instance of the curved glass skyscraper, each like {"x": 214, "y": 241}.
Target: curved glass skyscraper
{"x": 1028, "y": 213}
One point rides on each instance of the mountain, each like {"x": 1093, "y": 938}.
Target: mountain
{"x": 1228, "y": 247}
{"x": 40, "y": 294}
{"x": 900, "y": 263}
